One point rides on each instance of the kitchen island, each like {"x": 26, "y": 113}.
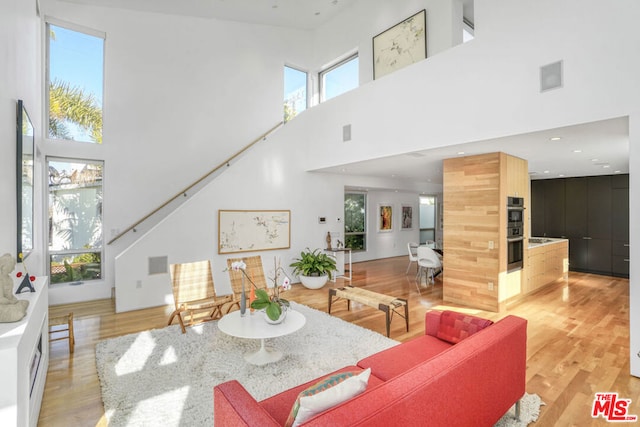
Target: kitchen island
{"x": 547, "y": 261}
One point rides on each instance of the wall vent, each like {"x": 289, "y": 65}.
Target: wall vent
{"x": 158, "y": 265}
{"x": 551, "y": 76}
{"x": 346, "y": 133}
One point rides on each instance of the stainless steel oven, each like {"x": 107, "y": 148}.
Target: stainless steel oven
{"x": 515, "y": 233}
{"x": 515, "y": 212}
{"x": 515, "y": 250}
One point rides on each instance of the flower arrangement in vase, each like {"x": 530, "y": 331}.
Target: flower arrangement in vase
{"x": 273, "y": 305}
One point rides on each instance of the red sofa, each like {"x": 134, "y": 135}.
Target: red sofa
{"x": 425, "y": 381}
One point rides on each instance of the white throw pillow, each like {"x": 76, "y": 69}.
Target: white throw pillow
{"x": 312, "y": 405}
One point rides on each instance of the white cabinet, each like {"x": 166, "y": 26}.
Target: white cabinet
{"x": 24, "y": 359}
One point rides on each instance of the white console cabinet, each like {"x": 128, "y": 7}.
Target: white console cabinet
{"x": 24, "y": 359}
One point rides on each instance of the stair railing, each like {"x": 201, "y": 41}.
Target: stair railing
{"x": 184, "y": 192}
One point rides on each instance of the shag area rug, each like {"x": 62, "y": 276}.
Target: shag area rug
{"x": 164, "y": 377}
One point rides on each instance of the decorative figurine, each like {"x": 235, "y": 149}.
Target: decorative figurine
{"x": 11, "y": 308}
{"x": 329, "y": 240}
{"x": 27, "y": 280}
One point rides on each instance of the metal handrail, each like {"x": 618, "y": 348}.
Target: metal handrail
{"x": 198, "y": 181}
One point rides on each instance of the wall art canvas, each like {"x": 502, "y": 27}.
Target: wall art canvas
{"x": 407, "y": 217}
{"x": 385, "y": 218}
{"x": 247, "y": 231}
{"x": 401, "y": 45}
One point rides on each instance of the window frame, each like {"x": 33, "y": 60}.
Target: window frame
{"x": 100, "y": 249}
{"x": 364, "y": 233}
{"x": 48, "y": 21}
{"x": 307, "y": 103}
{"x": 335, "y": 65}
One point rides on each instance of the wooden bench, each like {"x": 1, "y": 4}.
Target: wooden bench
{"x": 382, "y": 302}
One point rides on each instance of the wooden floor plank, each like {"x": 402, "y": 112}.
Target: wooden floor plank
{"x": 578, "y": 340}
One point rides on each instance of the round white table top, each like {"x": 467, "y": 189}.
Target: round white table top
{"x": 254, "y": 326}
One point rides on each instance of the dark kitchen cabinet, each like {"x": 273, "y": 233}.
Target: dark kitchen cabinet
{"x": 620, "y": 225}
{"x": 537, "y": 208}
{"x": 575, "y": 208}
{"x": 593, "y": 215}
{"x": 548, "y": 218}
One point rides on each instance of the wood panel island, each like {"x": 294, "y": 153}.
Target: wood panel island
{"x": 547, "y": 261}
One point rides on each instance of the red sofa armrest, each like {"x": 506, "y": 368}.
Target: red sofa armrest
{"x": 432, "y": 322}
{"x": 234, "y": 406}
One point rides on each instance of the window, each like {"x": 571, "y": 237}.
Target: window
{"x": 427, "y": 219}
{"x": 467, "y": 30}
{"x": 75, "y": 81}
{"x": 295, "y": 92}
{"x": 75, "y": 220}
{"x": 339, "y": 78}
{"x": 355, "y": 225}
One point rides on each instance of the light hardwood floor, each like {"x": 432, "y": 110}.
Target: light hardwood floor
{"x": 578, "y": 341}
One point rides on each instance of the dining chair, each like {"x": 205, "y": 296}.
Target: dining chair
{"x": 428, "y": 261}
{"x": 193, "y": 291}
{"x": 412, "y": 247}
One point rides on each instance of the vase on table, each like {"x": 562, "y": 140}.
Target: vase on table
{"x": 283, "y": 315}
{"x": 243, "y": 300}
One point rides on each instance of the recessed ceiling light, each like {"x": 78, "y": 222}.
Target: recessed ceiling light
{"x": 460, "y": 153}
{"x": 546, "y": 171}
{"x": 594, "y": 160}
{"x": 555, "y": 138}
{"x": 577, "y": 151}
{"x": 606, "y": 166}
{"x": 561, "y": 175}
{"x": 617, "y": 171}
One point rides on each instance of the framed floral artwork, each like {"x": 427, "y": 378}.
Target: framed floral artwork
{"x": 385, "y": 217}
{"x": 403, "y": 44}
{"x": 248, "y": 231}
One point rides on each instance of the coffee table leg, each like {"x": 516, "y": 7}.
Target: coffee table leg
{"x": 263, "y": 356}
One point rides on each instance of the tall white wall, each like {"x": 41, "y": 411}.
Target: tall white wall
{"x": 181, "y": 94}
{"x": 20, "y": 77}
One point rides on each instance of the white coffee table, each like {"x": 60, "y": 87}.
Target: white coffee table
{"x": 253, "y": 326}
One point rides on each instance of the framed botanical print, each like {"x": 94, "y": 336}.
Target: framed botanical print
{"x": 403, "y": 44}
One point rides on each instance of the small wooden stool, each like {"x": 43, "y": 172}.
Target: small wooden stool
{"x": 67, "y": 320}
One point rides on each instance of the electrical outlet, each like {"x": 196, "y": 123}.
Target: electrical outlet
{"x": 138, "y": 284}
{"x": 490, "y": 286}
{"x": 491, "y": 244}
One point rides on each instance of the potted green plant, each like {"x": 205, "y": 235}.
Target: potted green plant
{"x": 314, "y": 268}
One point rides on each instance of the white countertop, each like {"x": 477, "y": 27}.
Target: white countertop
{"x": 534, "y": 242}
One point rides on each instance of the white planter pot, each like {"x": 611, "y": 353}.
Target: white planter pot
{"x": 314, "y": 282}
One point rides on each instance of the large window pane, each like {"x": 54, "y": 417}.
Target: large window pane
{"x": 75, "y": 82}
{"x": 355, "y": 225}
{"x": 427, "y": 219}
{"x": 75, "y": 220}
{"x": 295, "y": 92}
{"x": 339, "y": 78}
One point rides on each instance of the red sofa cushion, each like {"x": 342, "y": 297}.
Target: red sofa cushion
{"x": 396, "y": 360}
{"x": 454, "y": 326}
{"x": 279, "y": 406}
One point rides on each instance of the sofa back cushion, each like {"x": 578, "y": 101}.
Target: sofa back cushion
{"x": 454, "y": 326}
{"x": 328, "y": 392}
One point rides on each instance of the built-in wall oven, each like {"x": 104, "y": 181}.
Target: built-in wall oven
{"x": 515, "y": 233}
